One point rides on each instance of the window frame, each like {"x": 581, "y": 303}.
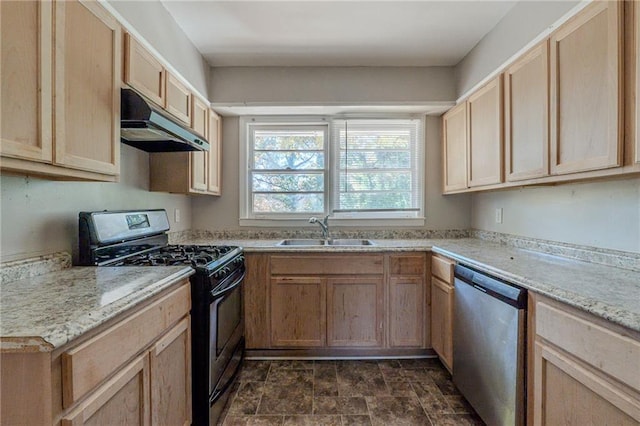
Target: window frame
{"x": 252, "y": 128}
{"x": 248, "y": 218}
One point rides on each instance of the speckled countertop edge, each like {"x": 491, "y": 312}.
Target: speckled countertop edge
{"x": 26, "y": 337}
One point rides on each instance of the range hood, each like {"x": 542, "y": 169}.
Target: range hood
{"x": 147, "y": 127}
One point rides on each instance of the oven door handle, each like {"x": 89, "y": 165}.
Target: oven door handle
{"x": 221, "y": 293}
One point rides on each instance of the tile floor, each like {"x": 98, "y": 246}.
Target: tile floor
{"x": 368, "y": 392}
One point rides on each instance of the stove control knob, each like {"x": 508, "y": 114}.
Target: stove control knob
{"x": 221, "y": 273}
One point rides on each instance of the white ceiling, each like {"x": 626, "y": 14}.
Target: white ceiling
{"x": 335, "y": 33}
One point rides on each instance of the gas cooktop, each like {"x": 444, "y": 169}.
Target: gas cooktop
{"x": 194, "y": 255}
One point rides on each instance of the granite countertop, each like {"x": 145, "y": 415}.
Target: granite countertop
{"x": 45, "y": 312}
{"x": 605, "y": 291}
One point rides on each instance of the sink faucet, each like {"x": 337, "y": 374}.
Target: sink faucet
{"x": 324, "y": 224}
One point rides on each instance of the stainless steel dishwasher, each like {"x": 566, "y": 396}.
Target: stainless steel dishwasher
{"x": 489, "y": 346}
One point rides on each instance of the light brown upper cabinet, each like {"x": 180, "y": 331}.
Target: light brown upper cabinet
{"x": 25, "y": 108}
{"x": 199, "y": 159}
{"x": 454, "y": 135}
{"x": 195, "y": 172}
{"x": 214, "y": 169}
{"x": 178, "y": 100}
{"x": 586, "y": 90}
{"x": 484, "y": 121}
{"x": 526, "y": 115}
{"x": 67, "y": 127}
{"x": 143, "y": 71}
{"x": 87, "y": 87}
{"x": 633, "y": 6}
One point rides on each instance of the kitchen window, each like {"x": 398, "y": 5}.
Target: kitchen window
{"x": 347, "y": 168}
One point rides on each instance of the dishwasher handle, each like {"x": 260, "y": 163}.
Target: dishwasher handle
{"x": 499, "y": 289}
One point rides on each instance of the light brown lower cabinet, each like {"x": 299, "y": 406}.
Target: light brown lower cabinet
{"x": 585, "y": 371}
{"x": 298, "y": 312}
{"x": 441, "y": 320}
{"x": 408, "y": 301}
{"x": 134, "y": 370}
{"x": 170, "y": 376}
{"x": 119, "y": 401}
{"x": 354, "y": 311}
{"x": 344, "y": 302}
{"x": 442, "y": 293}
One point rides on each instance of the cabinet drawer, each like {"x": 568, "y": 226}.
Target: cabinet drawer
{"x": 604, "y": 349}
{"x": 88, "y": 364}
{"x": 442, "y": 268}
{"x": 407, "y": 264}
{"x": 327, "y": 264}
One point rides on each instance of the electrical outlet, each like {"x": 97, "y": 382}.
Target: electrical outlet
{"x": 176, "y": 215}
{"x": 499, "y": 215}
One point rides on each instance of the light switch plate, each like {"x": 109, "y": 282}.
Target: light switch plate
{"x": 499, "y": 215}
{"x": 176, "y": 215}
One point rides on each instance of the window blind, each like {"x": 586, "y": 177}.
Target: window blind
{"x": 379, "y": 167}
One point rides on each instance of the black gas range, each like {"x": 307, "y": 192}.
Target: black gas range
{"x": 139, "y": 238}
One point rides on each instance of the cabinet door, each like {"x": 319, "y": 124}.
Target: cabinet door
{"x": 199, "y": 159}
{"x": 214, "y": 176}
{"x": 454, "y": 136}
{"x": 485, "y": 135}
{"x": 178, "y": 100}
{"x": 586, "y": 83}
{"x": 298, "y": 311}
{"x": 568, "y": 393}
{"x": 123, "y": 400}
{"x": 198, "y": 163}
{"x": 143, "y": 71}
{"x": 354, "y": 311}
{"x": 171, "y": 377}
{"x": 87, "y": 86}
{"x": 25, "y": 104}
{"x": 526, "y": 111}
{"x": 406, "y": 311}
{"x": 636, "y": 21}
{"x": 441, "y": 320}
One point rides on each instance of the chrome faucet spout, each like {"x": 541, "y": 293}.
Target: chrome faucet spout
{"x": 324, "y": 225}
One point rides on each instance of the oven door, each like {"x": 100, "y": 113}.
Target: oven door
{"x": 225, "y": 333}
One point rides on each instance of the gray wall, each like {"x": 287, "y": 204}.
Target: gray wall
{"x": 331, "y": 85}
{"x": 152, "y": 21}
{"x": 521, "y": 25}
{"x": 599, "y": 214}
{"x": 41, "y": 216}
{"x": 442, "y": 212}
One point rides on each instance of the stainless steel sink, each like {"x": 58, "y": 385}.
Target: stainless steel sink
{"x": 349, "y": 242}
{"x": 304, "y": 242}
{"x": 301, "y": 242}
